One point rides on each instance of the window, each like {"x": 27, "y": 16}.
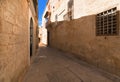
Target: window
{"x": 70, "y": 9}
{"x": 69, "y": 15}
{"x": 107, "y": 22}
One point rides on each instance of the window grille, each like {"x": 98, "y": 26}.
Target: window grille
{"x": 107, "y": 22}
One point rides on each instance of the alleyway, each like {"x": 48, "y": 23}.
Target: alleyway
{"x": 51, "y": 65}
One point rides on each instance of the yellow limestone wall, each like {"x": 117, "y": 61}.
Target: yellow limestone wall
{"x": 14, "y": 55}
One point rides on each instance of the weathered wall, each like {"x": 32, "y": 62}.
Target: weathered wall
{"x": 80, "y": 8}
{"x": 89, "y": 7}
{"x": 14, "y": 55}
{"x": 60, "y": 9}
{"x": 79, "y": 37}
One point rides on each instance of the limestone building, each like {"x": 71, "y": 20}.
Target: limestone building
{"x": 18, "y": 38}
{"x": 87, "y": 28}
{"x": 43, "y": 38}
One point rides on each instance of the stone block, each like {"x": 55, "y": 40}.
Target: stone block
{"x": 6, "y": 27}
{"x": 16, "y": 29}
{"x": 14, "y": 36}
{"x": 8, "y": 16}
{"x": 4, "y": 39}
{"x": 12, "y": 6}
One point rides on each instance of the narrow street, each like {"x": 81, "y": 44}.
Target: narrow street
{"x": 51, "y": 65}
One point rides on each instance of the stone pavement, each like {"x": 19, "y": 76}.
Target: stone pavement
{"x": 51, "y": 65}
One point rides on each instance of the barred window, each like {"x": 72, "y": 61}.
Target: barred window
{"x": 107, "y": 22}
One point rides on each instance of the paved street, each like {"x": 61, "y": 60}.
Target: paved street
{"x": 51, "y": 65}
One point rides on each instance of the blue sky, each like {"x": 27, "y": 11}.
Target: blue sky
{"x": 41, "y": 8}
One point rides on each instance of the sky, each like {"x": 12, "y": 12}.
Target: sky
{"x": 41, "y": 8}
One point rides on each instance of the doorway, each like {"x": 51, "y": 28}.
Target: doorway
{"x": 31, "y": 37}
{"x": 48, "y": 38}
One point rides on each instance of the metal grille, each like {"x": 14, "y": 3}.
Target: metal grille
{"x": 106, "y": 22}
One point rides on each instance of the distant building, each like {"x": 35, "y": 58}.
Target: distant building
{"x": 87, "y": 28}
{"x": 40, "y": 34}
{"x": 18, "y": 37}
{"x": 43, "y": 35}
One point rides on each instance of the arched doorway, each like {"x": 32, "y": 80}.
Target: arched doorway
{"x": 31, "y": 37}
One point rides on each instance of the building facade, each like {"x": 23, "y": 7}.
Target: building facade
{"x": 18, "y": 25}
{"x": 87, "y": 28}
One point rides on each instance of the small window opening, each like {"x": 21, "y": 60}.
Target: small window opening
{"x": 107, "y": 22}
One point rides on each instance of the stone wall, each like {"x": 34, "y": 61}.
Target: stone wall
{"x": 89, "y": 7}
{"x": 14, "y": 57}
{"x": 79, "y": 37}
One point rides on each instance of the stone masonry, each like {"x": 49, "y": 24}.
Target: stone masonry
{"x": 14, "y": 39}
{"x": 78, "y": 36}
